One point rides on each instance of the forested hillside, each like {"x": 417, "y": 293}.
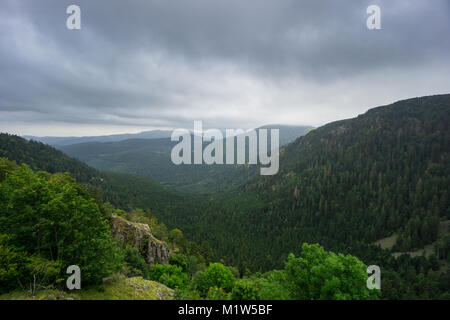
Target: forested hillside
{"x": 121, "y": 190}
{"x": 151, "y": 158}
{"x": 49, "y": 222}
{"x": 362, "y": 179}
{"x": 344, "y": 185}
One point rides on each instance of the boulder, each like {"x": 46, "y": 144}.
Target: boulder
{"x": 138, "y": 235}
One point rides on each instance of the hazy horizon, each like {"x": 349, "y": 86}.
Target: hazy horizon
{"x": 159, "y": 129}
{"x": 191, "y": 127}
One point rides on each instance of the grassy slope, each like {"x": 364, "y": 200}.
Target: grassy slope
{"x": 135, "y": 288}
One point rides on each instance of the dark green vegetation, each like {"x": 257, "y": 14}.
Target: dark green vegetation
{"x": 151, "y": 158}
{"x": 121, "y": 190}
{"x": 344, "y": 185}
{"x": 49, "y": 221}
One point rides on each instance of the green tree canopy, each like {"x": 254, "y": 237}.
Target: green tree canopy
{"x": 215, "y": 276}
{"x": 56, "y": 218}
{"x": 320, "y": 274}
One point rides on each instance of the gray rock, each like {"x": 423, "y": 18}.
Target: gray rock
{"x": 138, "y": 235}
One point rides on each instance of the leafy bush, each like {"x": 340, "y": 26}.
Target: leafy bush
{"x": 180, "y": 260}
{"x": 42, "y": 273}
{"x": 135, "y": 263}
{"x": 320, "y": 274}
{"x": 246, "y": 289}
{"x": 12, "y": 262}
{"x": 270, "y": 286}
{"x": 170, "y": 275}
{"x": 216, "y": 275}
{"x": 215, "y": 293}
{"x": 275, "y": 286}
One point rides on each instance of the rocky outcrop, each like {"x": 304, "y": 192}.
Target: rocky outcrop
{"x": 138, "y": 235}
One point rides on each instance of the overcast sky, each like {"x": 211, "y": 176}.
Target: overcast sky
{"x": 145, "y": 64}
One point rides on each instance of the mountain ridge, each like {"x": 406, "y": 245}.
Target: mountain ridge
{"x": 57, "y": 141}
{"x": 152, "y": 158}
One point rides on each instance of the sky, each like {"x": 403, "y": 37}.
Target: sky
{"x": 160, "y": 64}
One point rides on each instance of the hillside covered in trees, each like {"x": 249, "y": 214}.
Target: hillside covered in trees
{"x": 344, "y": 185}
{"x": 49, "y": 222}
{"x": 121, "y": 190}
{"x": 151, "y": 158}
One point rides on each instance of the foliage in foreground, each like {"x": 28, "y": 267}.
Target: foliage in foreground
{"x": 315, "y": 274}
{"x": 48, "y": 221}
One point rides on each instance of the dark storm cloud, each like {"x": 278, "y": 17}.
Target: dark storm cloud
{"x": 164, "y": 63}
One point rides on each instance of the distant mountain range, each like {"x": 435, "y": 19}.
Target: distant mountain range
{"x": 287, "y": 134}
{"x": 64, "y": 141}
{"x": 148, "y": 154}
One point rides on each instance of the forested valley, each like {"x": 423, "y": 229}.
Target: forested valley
{"x": 342, "y": 188}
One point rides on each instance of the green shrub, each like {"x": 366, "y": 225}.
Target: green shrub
{"x": 246, "y": 289}
{"x": 275, "y": 286}
{"x": 216, "y": 275}
{"x": 270, "y": 286}
{"x": 12, "y": 263}
{"x": 179, "y": 260}
{"x": 215, "y": 293}
{"x": 320, "y": 274}
{"x": 42, "y": 273}
{"x": 170, "y": 275}
{"x": 135, "y": 263}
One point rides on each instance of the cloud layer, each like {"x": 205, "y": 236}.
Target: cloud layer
{"x": 143, "y": 64}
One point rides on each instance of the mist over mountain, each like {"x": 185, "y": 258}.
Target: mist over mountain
{"x": 288, "y": 133}
{"x": 63, "y": 141}
{"x": 151, "y": 158}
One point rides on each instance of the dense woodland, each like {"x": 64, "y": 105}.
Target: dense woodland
{"x": 151, "y": 158}
{"x": 344, "y": 185}
{"x": 49, "y": 221}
